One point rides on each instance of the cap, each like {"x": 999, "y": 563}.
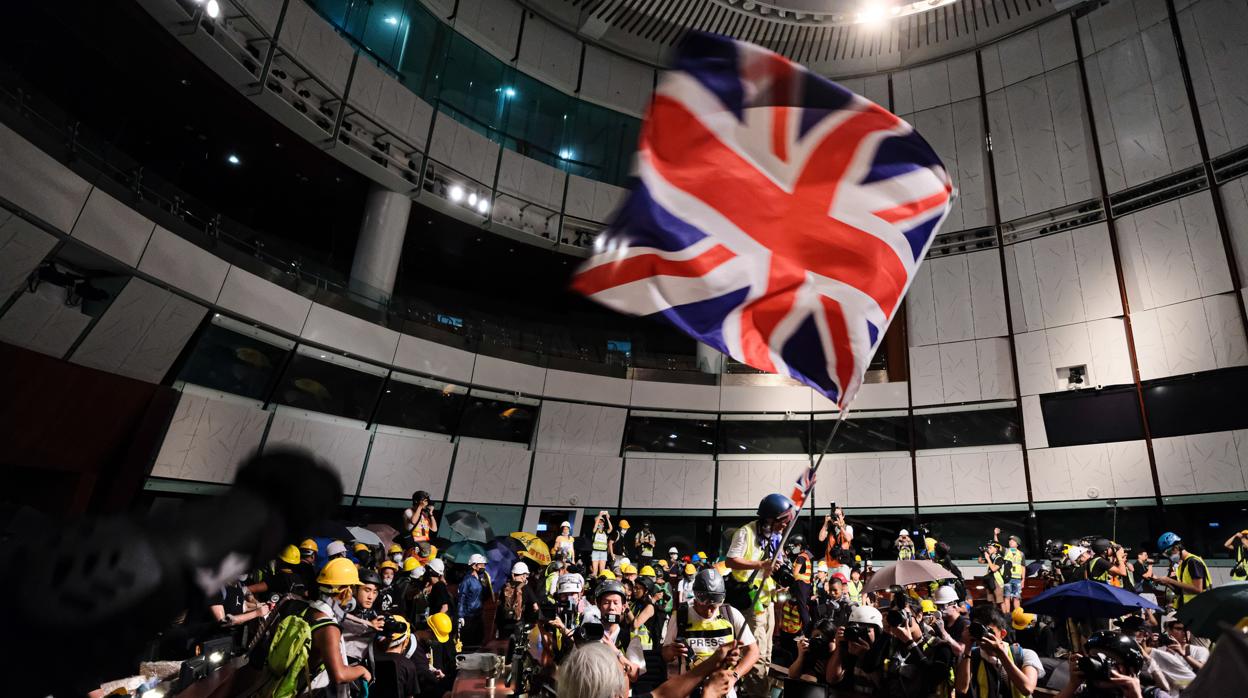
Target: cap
{"x": 866, "y": 615}
{"x": 437, "y": 567}
{"x": 476, "y": 559}
{"x": 336, "y": 548}
{"x": 945, "y": 594}
{"x": 519, "y": 568}
{"x": 1020, "y": 620}
{"x": 570, "y": 584}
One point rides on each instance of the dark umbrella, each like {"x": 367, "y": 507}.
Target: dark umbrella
{"x": 461, "y": 551}
{"x": 470, "y": 525}
{"x": 500, "y": 555}
{"x": 1087, "y": 599}
{"x": 1206, "y": 613}
{"x": 386, "y": 533}
{"x": 907, "y": 572}
{"x": 332, "y": 530}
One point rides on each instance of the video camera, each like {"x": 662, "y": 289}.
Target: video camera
{"x": 1095, "y": 667}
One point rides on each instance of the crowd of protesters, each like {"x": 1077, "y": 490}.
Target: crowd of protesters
{"x": 613, "y": 613}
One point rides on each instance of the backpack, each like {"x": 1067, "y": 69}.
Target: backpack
{"x": 1007, "y": 569}
{"x": 287, "y": 661}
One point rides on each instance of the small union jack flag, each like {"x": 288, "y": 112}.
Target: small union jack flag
{"x": 777, "y": 216}
{"x": 804, "y": 483}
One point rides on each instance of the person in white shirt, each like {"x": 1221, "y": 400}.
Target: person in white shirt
{"x": 684, "y": 588}
{"x": 1177, "y": 657}
{"x": 698, "y": 629}
{"x": 612, "y": 602}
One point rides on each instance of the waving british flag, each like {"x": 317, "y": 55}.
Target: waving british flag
{"x": 777, "y": 216}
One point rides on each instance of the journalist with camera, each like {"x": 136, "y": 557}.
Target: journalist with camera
{"x": 989, "y": 664}
{"x": 702, "y": 626}
{"x": 1109, "y": 666}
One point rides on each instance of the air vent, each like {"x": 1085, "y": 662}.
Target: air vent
{"x": 1073, "y": 216}
{"x": 1233, "y": 164}
{"x": 962, "y": 242}
{"x": 1158, "y": 191}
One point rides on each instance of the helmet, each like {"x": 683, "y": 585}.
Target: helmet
{"x": 610, "y": 586}
{"x": 309, "y": 544}
{"x": 519, "y": 568}
{"x": 410, "y": 564}
{"x": 624, "y": 524}
{"x": 398, "y": 637}
{"x": 647, "y": 571}
{"x": 773, "y": 506}
{"x": 798, "y": 540}
{"x": 394, "y": 548}
{"x": 339, "y": 572}
{"x": 1020, "y": 619}
{"x": 821, "y": 566}
{"x": 388, "y": 565}
{"x": 928, "y": 607}
{"x": 930, "y": 544}
{"x": 1101, "y": 545}
{"x": 290, "y": 555}
{"x": 709, "y": 582}
{"x": 336, "y": 548}
{"x": 368, "y": 576}
{"x": 621, "y": 562}
{"x": 903, "y": 532}
{"x": 840, "y": 577}
{"x": 1075, "y": 552}
{"x": 867, "y": 615}
{"x": 419, "y": 496}
{"x": 441, "y": 625}
{"x": 663, "y": 564}
{"x": 702, "y": 556}
{"x": 360, "y": 548}
{"x": 945, "y": 594}
{"x": 437, "y": 567}
{"x": 476, "y": 559}
{"x": 721, "y": 567}
{"x": 645, "y": 583}
{"x": 673, "y": 551}
{"x": 1121, "y": 645}
{"x": 627, "y": 568}
{"x": 569, "y": 584}
{"x": 606, "y": 574}
{"x": 690, "y": 569}
{"x": 1167, "y": 541}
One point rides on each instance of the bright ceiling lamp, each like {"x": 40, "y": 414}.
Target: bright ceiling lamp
{"x": 456, "y": 193}
{"x": 213, "y": 8}
{"x": 392, "y": 21}
{"x": 472, "y": 199}
{"x": 872, "y": 13}
{"x": 483, "y": 206}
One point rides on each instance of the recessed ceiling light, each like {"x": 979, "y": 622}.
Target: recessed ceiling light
{"x": 233, "y": 159}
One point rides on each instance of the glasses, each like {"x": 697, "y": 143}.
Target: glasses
{"x": 712, "y": 599}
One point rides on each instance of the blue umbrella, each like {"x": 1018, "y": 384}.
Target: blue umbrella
{"x": 1087, "y": 599}
{"x": 499, "y": 557}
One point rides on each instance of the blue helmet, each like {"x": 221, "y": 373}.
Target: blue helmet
{"x": 1167, "y": 540}
{"x": 774, "y": 506}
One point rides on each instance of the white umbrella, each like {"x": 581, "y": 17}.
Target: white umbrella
{"x": 365, "y": 536}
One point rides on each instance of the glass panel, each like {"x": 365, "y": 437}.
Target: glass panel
{"x": 1204, "y": 526}
{"x": 489, "y": 418}
{"x": 312, "y": 384}
{"x": 864, "y": 435}
{"x": 791, "y": 435}
{"x": 504, "y": 519}
{"x": 233, "y": 363}
{"x": 1131, "y": 526}
{"x": 965, "y": 532}
{"x": 960, "y": 429}
{"x": 1198, "y": 403}
{"x": 1080, "y": 417}
{"x": 689, "y": 534}
{"x": 417, "y": 404}
{"x": 669, "y": 435}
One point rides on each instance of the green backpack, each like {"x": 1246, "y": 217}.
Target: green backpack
{"x": 287, "y": 662}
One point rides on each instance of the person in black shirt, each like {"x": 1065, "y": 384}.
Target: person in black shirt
{"x": 412, "y": 673}
{"x": 439, "y": 595}
{"x": 389, "y": 597}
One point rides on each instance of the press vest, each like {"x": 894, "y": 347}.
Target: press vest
{"x": 420, "y": 531}
{"x": 642, "y": 633}
{"x": 905, "y": 552}
{"x": 701, "y": 635}
{"x": 1240, "y": 571}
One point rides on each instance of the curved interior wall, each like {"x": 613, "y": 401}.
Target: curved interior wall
{"x": 980, "y": 339}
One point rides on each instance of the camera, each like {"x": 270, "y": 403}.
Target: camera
{"x": 978, "y": 630}
{"x": 898, "y": 617}
{"x": 589, "y": 632}
{"x": 548, "y": 611}
{"x": 1095, "y": 667}
{"x": 856, "y": 632}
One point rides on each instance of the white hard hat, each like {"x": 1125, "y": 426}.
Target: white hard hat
{"x": 903, "y": 532}
{"x": 868, "y": 615}
{"x": 945, "y": 594}
{"x": 566, "y": 524}
{"x": 673, "y": 550}
{"x": 519, "y": 568}
{"x": 437, "y": 566}
{"x": 336, "y": 548}
{"x": 476, "y": 559}
{"x": 1075, "y": 552}
{"x": 569, "y": 583}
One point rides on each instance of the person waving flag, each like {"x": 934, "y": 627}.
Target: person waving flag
{"x": 776, "y": 215}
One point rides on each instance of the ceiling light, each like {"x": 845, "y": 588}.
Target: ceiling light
{"x": 213, "y": 8}
{"x": 472, "y": 199}
{"x": 456, "y": 193}
{"x": 671, "y": 436}
{"x": 567, "y": 154}
{"x": 872, "y": 13}
{"x": 233, "y": 159}
{"x": 509, "y": 92}
{"x": 392, "y": 21}
{"x": 216, "y": 657}
{"x": 483, "y": 205}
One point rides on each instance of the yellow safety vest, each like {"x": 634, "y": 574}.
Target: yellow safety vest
{"x": 790, "y": 618}
{"x": 1185, "y": 576}
{"x": 905, "y": 552}
{"x": 854, "y": 589}
{"x": 754, "y": 552}
{"x": 642, "y": 633}
{"x": 985, "y": 684}
{"x": 600, "y": 541}
{"x": 703, "y": 636}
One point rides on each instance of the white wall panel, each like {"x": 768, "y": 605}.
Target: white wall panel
{"x": 1035, "y": 370}
{"x": 323, "y": 52}
{"x": 863, "y": 479}
{"x": 341, "y": 444}
{"x": 996, "y": 375}
{"x": 896, "y": 481}
{"x": 1033, "y": 423}
{"x": 508, "y": 375}
{"x": 34, "y": 181}
{"x": 871, "y": 396}
{"x": 463, "y": 149}
{"x": 615, "y": 81}
{"x": 669, "y": 484}
{"x": 208, "y": 438}
{"x": 141, "y": 333}
{"x": 490, "y": 471}
{"x": 1093, "y": 471}
{"x": 530, "y": 180}
{"x": 566, "y": 479}
{"x": 742, "y": 483}
{"x": 1050, "y": 475}
{"x": 759, "y": 398}
{"x": 113, "y": 228}
{"x": 182, "y": 265}
{"x": 959, "y": 372}
{"x": 567, "y": 427}
{"x": 261, "y": 300}
{"x": 584, "y": 386}
{"x": 580, "y": 198}
{"x": 921, "y": 305}
{"x": 1133, "y": 476}
{"x": 1174, "y": 466}
{"x": 22, "y": 248}
{"x": 494, "y": 25}
{"x": 1007, "y": 475}
{"x": 1214, "y": 34}
{"x": 925, "y": 375}
{"x": 987, "y": 294}
{"x": 41, "y": 322}
{"x": 936, "y": 484}
{"x": 951, "y": 288}
{"x": 1235, "y": 203}
{"x": 1111, "y": 360}
{"x": 431, "y": 358}
{"x": 1172, "y": 253}
{"x": 1098, "y": 282}
{"x": 971, "y": 473}
{"x": 334, "y": 328}
{"x": 401, "y": 463}
{"x": 675, "y": 396}
{"x": 550, "y": 53}
{"x": 1058, "y": 277}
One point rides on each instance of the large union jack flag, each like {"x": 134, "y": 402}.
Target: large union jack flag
{"x": 777, "y": 216}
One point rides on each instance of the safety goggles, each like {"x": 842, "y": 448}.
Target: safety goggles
{"x": 708, "y": 598}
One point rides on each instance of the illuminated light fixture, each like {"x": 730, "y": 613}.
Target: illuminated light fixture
{"x": 483, "y": 205}
{"x": 456, "y": 193}
{"x": 509, "y": 92}
{"x": 567, "y": 154}
{"x": 472, "y": 199}
{"x": 153, "y": 693}
{"x": 872, "y": 13}
{"x": 392, "y": 21}
{"x": 215, "y": 657}
{"x": 213, "y": 8}
{"x": 233, "y": 159}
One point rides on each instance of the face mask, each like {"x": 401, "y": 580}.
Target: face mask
{"x": 397, "y": 557}
{"x": 1175, "y": 557}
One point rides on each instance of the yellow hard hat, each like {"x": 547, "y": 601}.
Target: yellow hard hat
{"x": 663, "y": 564}
{"x": 606, "y": 574}
{"x": 857, "y": 558}
{"x": 397, "y": 638}
{"x": 702, "y": 555}
{"x": 927, "y": 606}
{"x": 624, "y": 524}
{"x": 360, "y": 547}
{"x": 628, "y": 569}
{"x": 440, "y": 624}
{"x": 410, "y": 564}
{"x": 339, "y": 572}
{"x": 1020, "y": 620}
{"x": 395, "y": 548}
{"x": 388, "y": 565}
{"x": 647, "y": 571}
{"x": 433, "y": 553}
{"x": 930, "y": 544}
{"x": 290, "y": 555}
{"x": 690, "y": 569}
{"x": 309, "y": 544}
